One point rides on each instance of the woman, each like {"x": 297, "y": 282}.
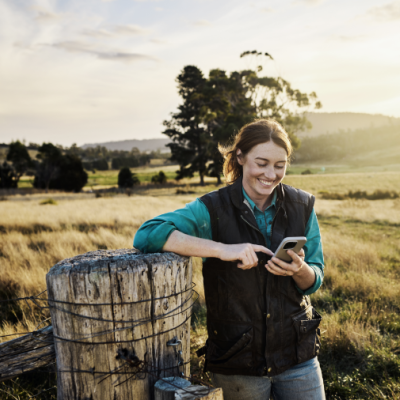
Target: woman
{"x": 262, "y": 330}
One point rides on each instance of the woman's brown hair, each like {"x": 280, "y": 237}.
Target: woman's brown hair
{"x": 252, "y": 134}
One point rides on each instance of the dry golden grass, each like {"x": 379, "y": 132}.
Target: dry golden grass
{"x": 34, "y": 237}
{"x": 359, "y": 299}
{"x": 342, "y": 183}
{"x": 363, "y": 210}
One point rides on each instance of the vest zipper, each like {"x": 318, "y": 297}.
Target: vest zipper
{"x": 248, "y": 223}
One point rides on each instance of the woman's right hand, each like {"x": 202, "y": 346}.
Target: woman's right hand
{"x": 244, "y": 252}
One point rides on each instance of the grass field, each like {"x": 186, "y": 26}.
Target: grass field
{"x": 359, "y": 300}
{"x": 101, "y": 179}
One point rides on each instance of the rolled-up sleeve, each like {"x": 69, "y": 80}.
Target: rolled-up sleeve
{"x": 193, "y": 219}
{"x": 314, "y": 256}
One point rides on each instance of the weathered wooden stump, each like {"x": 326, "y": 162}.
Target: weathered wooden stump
{"x": 120, "y": 319}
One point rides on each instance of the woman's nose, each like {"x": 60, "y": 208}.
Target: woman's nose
{"x": 270, "y": 173}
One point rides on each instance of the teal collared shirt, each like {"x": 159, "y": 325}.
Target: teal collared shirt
{"x": 194, "y": 219}
{"x": 264, "y": 219}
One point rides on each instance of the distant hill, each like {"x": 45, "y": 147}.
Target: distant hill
{"x": 142, "y": 145}
{"x": 373, "y": 146}
{"x": 324, "y": 123}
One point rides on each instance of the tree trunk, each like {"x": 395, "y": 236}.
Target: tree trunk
{"x": 201, "y": 179}
{"x": 124, "y": 305}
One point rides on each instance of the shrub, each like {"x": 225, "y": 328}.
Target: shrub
{"x": 65, "y": 173}
{"x": 159, "y": 178}
{"x": 126, "y": 179}
{"x": 8, "y": 176}
{"x": 307, "y": 172}
{"x": 48, "y": 201}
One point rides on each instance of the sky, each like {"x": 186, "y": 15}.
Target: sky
{"x": 74, "y": 71}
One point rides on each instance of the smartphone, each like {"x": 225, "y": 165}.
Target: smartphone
{"x": 289, "y": 243}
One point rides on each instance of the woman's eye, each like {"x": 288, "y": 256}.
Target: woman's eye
{"x": 279, "y": 167}
{"x": 262, "y": 165}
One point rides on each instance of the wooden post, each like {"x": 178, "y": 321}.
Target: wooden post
{"x": 123, "y": 312}
{"x": 26, "y": 353}
{"x": 199, "y": 392}
{"x": 165, "y": 389}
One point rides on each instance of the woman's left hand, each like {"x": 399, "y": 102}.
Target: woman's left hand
{"x": 279, "y": 267}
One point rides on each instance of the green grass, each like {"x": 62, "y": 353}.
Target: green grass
{"x": 48, "y": 201}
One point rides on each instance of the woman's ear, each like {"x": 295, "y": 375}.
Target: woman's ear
{"x": 239, "y": 157}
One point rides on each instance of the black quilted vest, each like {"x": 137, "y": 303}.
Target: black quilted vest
{"x": 258, "y": 323}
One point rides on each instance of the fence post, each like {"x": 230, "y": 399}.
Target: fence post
{"x": 164, "y": 391}
{"x": 119, "y": 312}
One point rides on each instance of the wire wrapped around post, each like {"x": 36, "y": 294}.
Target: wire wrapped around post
{"x": 115, "y": 315}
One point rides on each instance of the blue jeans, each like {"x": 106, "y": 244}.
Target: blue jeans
{"x": 302, "y": 382}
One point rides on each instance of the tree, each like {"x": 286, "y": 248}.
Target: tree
{"x": 185, "y": 128}
{"x": 21, "y": 161}
{"x": 126, "y": 179}
{"x": 228, "y": 109}
{"x": 58, "y": 171}
{"x": 70, "y": 176}
{"x": 50, "y": 157}
{"x": 214, "y": 109}
{"x": 8, "y": 176}
{"x": 160, "y": 178}
{"x": 275, "y": 98}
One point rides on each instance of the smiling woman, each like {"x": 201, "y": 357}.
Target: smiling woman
{"x": 263, "y": 335}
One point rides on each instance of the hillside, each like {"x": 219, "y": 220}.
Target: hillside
{"x": 324, "y": 123}
{"x": 127, "y": 145}
{"x": 373, "y": 146}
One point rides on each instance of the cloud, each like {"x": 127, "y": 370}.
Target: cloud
{"x": 158, "y": 41}
{"x": 87, "y": 48}
{"x": 267, "y": 10}
{"x": 346, "y": 38}
{"x": 310, "y": 3}
{"x": 387, "y": 12}
{"x": 97, "y": 33}
{"x": 129, "y": 30}
{"x": 159, "y": 9}
{"x": 202, "y": 22}
{"x": 117, "y": 30}
{"x": 46, "y": 16}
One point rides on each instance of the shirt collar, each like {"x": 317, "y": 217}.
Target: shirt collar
{"x": 252, "y": 204}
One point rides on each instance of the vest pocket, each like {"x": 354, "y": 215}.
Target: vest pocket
{"x": 227, "y": 355}
{"x": 306, "y": 325}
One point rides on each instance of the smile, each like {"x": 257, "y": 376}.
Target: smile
{"x": 266, "y": 183}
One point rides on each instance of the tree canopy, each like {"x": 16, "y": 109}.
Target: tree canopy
{"x": 213, "y": 110}
{"x": 126, "y": 179}
{"x": 59, "y": 171}
{"x": 18, "y": 163}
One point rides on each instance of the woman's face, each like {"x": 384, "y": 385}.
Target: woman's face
{"x": 264, "y": 167}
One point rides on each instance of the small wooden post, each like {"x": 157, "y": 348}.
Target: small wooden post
{"x": 26, "y": 353}
{"x": 199, "y": 393}
{"x": 119, "y": 311}
{"x": 165, "y": 389}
